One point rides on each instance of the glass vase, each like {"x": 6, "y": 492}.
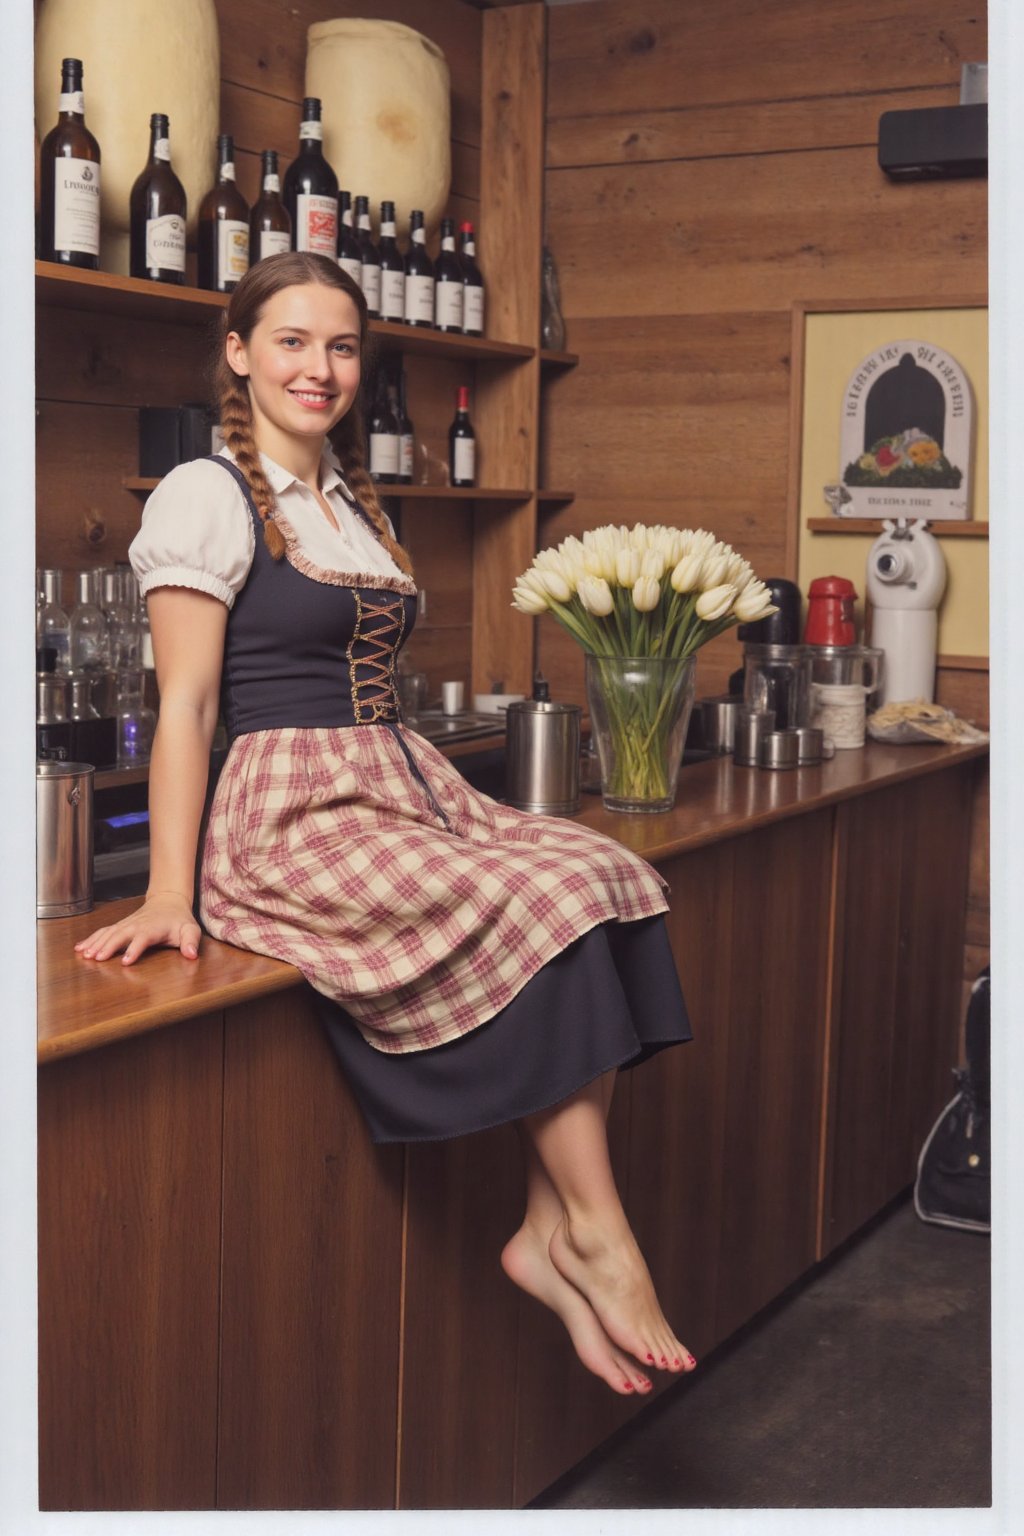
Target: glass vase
{"x": 639, "y": 714}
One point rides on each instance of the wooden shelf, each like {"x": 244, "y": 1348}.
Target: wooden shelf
{"x": 941, "y": 529}
{"x": 556, "y": 498}
{"x": 558, "y": 359}
{"x": 143, "y": 484}
{"x": 72, "y": 288}
{"x": 109, "y": 293}
{"x": 449, "y": 493}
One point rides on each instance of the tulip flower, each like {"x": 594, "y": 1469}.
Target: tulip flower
{"x": 754, "y": 602}
{"x": 646, "y": 593}
{"x": 715, "y": 602}
{"x": 687, "y": 574}
{"x": 627, "y": 566}
{"x": 596, "y": 596}
{"x": 556, "y": 586}
{"x": 528, "y": 601}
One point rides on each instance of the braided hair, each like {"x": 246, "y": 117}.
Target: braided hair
{"x": 231, "y": 392}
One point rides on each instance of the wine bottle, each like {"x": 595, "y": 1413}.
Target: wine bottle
{"x": 348, "y": 245}
{"x": 392, "y": 268}
{"x": 270, "y": 227}
{"x": 419, "y": 275}
{"x": 462, "y": 441}
{"x": 223, "y": 229}
{"x": 158, "y": 210}
{"x": 369, "y": 259}
{"x": 311, "y": 188}
{"x": 384, "y": 443}
{"x": 406, "y": 440}
{"x": 448, "y": 293}
{"x": 472, "y": 283}
{"x": 69, "y": 180}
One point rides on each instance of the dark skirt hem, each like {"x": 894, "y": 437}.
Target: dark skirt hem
{"x": 609, "y": 1001}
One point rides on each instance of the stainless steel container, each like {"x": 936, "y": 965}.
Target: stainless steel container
{"x": 542, "y": 757}
{"x": 778, "y": 677}
{"x": 51, "y": 698}
{"x": 63, "y": 838}
{"x": 780, "y": 749}
{"x": 718, "y": 722}
{"x": 810, "y": 740}
{"x": 752, "y": 726}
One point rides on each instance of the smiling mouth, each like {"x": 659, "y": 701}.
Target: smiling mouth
{"x": 310, "y": 397}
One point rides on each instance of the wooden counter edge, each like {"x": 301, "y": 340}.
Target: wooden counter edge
{"x": 255, "y": 976}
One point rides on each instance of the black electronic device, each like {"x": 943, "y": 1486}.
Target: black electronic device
{"x": 934, "y": 143}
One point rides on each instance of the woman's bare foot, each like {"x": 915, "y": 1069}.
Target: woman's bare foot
{"x": 616, "y": 1282}
{"x": 526, "y": 1261}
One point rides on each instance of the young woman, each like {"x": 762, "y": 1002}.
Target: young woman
{"x": 474, "y": 965}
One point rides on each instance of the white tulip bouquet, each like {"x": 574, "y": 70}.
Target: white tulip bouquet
{"x": 649, "y": 596}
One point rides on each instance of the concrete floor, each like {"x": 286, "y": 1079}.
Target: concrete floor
{"x": 867, "y": 1388}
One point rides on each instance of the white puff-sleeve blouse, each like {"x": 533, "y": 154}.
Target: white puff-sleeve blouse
{"x": 197, "y": 530}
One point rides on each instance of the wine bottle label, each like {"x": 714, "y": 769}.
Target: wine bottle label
{"x": 419, "y": 299}
{"x": 165, "y": 242}
{"x": 162, "y": 150}
{"x": 71, "y": 101}
{"x": 474, "y": 308}
{"x": 419, "y": 236}
{"x": 232, "y": 249}
{"x": 76, "y": 206}
{"x": 388, "y": 228}
{"x": 316, "y": 223}
{"x": 405, "y": 456}
{"x": 369, "y": 278}
{"x": 448, "y": 243}
{"x": 384, "y": 453}
{"x": 464, "y": 467}
{"x": 311, "y": 130}
{"x": 448, "y": 304}
{"x": 227, "y": 170}
{"x": 273, "y": 242}
{"x": 364, "y": 221}
{"x": 392, "y": 295}
{"x": 271, "y": 182}
{"x": 346, "y": 218}
{"x": 353, "y": 267}
{"x": 471, "y": 246}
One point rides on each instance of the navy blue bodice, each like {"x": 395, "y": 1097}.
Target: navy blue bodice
{"x": 305, "y": 652}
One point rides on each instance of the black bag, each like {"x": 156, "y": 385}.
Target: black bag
{"x": 954, "y": 1170}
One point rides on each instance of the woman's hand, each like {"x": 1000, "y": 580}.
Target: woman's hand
{"x": 165, "y": 918}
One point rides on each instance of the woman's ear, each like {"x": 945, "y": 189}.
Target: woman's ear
{"x": 234, "y": 351}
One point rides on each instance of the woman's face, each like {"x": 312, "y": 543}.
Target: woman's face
{"x": 302, "y": 363}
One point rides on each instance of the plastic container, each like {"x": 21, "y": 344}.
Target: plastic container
{"x": 839, "y": 709}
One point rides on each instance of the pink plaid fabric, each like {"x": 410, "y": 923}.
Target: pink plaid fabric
{"x": 324, "y": 850}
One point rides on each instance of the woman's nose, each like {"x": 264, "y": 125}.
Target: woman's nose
{"x": 317, "y": 363}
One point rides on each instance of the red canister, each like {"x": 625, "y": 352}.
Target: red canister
{"x": 830, "y": 612}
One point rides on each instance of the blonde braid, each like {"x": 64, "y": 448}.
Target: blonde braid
{"x": 348, "y": 442}
{"x": 236, "y": 425}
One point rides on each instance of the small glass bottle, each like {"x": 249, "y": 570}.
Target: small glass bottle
{"x": 53, "y": 626}
{"x": 90, "y": 641}
{"x": 136, "y": 722}
{"x": 349, "y": 259}
{"x": 122, "y": 625}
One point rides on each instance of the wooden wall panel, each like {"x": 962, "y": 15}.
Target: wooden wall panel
{"x": 129, "y": 1148}
{"x": 310, "y": 1298}
{"x": 659, "y": 54}
{"x": 755, "y": 232}
{"x": 85, "y": 518}
{"x": 457, "y": 1430}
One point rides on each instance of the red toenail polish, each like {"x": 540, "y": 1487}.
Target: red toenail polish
{"x": 629, "y": 1386}
{"x": 651, "y": 1359}
{"x": 677, "y": 1362}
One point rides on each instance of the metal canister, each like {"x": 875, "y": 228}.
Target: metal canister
{"x": 543, "y": 757}
{"x": 63, "y": 838}
{"x": 752, "y": 726}
{"x": 718, "y": 722}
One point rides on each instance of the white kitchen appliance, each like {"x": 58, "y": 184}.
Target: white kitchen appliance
{"x": 906, "y": 578}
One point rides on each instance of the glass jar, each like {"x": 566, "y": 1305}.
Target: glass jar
{"x": 136, "y": 722}
{"x": 552, "y": 326}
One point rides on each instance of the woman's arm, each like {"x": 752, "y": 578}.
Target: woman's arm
{"x": 188, "y": 630}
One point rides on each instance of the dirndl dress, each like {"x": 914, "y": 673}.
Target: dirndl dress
{"x": 471, "y": 963}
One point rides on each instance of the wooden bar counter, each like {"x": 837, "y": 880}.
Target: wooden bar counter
{"x": 244, "y": 1304}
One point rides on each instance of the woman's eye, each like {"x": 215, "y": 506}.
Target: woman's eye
{"x": 290, "y": 341}
{"x": 345, "y": 347}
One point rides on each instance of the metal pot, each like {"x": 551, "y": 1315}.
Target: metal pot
{"x": 63, "y": 838}
{"x": 543, "y": 757}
